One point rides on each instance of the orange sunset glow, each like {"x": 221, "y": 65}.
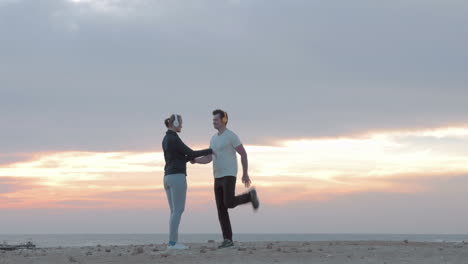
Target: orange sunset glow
{"x": 317, "y": 169}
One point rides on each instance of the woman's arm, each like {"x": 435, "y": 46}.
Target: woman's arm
{"x": 191, "y": 154}
{"x": 203, "y": 160}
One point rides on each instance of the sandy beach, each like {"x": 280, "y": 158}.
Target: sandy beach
{"x": 252, "y": 252}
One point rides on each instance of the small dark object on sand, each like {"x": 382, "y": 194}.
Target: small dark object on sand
{"x": 28, "y": 245}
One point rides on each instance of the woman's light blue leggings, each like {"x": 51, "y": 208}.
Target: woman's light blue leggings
{"x": 176, "y": 190}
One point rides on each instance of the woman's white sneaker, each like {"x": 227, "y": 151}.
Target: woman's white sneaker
{"x": 178, "y": 247}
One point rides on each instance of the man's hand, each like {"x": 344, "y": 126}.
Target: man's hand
{"x": 246, "y": 180}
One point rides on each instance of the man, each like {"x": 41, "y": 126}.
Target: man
{"x": 225, "y": 144}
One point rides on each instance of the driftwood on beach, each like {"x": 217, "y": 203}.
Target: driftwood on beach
{"x": 7, "y": 247}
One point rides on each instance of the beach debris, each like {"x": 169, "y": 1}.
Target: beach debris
{"x": 203, "y": 250}
{"x": 306, "y": 244}
{"x": 406, "y": 241}
{"x": 137, "y": 251}
{"x": 371, "y": 248}
{"x": 72, "y": 259}
{"x": 309, "y": 250}
{"x": 242, "y": 249}
{"x": 140, "y": 250}
{"x": 330, "y": 244}
{"x": 89, "y": 253}
{"x": 164, "y": 255}
{"x": 269, "y": 246}
{"x": 108, "y": 250}
{"x": 211, "y": 241}
{"x": 28, "y": 245}
{"x": 279, "y": 249}
{"x": 459, "y": 245}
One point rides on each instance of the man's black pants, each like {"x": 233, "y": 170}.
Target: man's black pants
{"x": 225, "y": 189}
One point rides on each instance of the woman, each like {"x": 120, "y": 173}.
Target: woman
{"x": 176, "y": 155}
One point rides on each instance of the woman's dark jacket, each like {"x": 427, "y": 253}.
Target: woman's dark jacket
{"x": 177, "y": 154}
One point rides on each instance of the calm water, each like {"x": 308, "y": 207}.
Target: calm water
{"x": 78, "y": 240}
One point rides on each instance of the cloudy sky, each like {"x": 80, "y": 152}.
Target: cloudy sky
{"x": 354, "y": 113}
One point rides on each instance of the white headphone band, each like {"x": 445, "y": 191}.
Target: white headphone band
{"x": 176, "y": 121}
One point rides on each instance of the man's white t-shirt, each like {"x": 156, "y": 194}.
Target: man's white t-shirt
{"x": 225, "y": 161}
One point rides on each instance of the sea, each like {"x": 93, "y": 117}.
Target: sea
{"x": 84, "y": 240}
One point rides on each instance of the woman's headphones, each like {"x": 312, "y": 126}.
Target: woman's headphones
{"x": 176, "y": 121}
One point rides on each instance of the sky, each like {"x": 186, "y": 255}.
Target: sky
{"x": 353, "y": 113}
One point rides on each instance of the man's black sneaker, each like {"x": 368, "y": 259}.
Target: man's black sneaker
{"x": 226, "y": 244}
{"x": 254, "y": 198}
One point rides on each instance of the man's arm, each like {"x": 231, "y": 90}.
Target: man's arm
{"x": 245, "y": 165}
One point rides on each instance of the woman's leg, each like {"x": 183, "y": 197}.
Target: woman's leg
{"x": 178, "y": 183}
{"x": 167, "y": 188}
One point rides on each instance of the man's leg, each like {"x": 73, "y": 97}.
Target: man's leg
{"x": 223, "y": 214}
{"x": 229, "y": 188}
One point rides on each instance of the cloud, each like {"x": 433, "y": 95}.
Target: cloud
{"x": 283, "y": 70}
{"x": 15, "y": 184}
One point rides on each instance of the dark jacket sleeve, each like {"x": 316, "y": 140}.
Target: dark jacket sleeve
{"x": 188, "y": 152}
